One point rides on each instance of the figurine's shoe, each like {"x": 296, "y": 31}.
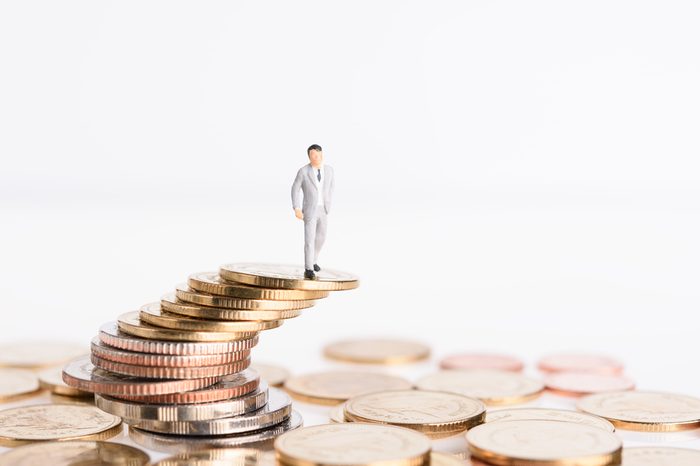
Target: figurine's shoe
{"x": 309, "y": 274}
{"x": 317, "y": 268}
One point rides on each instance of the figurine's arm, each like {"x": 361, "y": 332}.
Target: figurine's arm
{"x": 330, "y": 192}
{"x": 296, "y": 195}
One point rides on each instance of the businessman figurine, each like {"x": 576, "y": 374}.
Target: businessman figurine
{"x": 315, "y": 180}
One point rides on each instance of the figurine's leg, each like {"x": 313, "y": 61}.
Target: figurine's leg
{"x": 309, "y": 242}
{"x": 321, "y": 225}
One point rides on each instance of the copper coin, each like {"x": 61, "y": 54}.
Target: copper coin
{"x": 577, "y": 383}
{"x": 103, "y": 351}
{"x": 500, "y": 362}
{"x": 81, "y": 374}
{"x": 577, "y": 362}
{"x": 112, "y": 336}
{"x": 230, "y": 386}
{"x": 170, "y": 303}
{"x": 150, "y": 372}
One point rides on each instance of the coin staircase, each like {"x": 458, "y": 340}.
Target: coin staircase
{"x": 178, "y": 371}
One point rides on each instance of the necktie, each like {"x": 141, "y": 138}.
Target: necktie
{"x": 319, "y": 175}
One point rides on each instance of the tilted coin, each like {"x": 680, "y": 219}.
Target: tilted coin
{"x": 112, "y": 336}
{"x": 274, "y": 375}
{"x": 188, "y": 412}
{"x": 75, "y": 453}
{"x": 170, "y": 303}
{"x": 373, "y": 351}
{"x": 580, "y": 362}
{"x": 153, "y": 315}
{"x": 277, "y": 409}
{"x": 179, "y": 444}
{"x": 16, "y": 383}
{"x": 227, "y": 387}
{"x": 433, "y": 413}
{"x": 55, "y": 422}
{"x": 443, "y": 459}
{"x": 334, "y": 387}
{"x": 39, "y": 354}
{"x": 184, "y": 293}
{"x": 337, "y": 413}
{"x": 491, "y": 387}
{"x": 353, "y": 445}
{"x": 542, "y": 442}
{"x": 73, "y": 400}
{"x": 130, "y": 323}
{"x": 110, "y": 353}
{"x": 287, "y": 277}
{"x": 212, "y": 283}
{"x": 222, "y": 457}
{"x": 81, "y": 374}
{"x": 466, "y": 361}
{"x": 644, "y": 411}
{"x": 660, "y": 456}
{"x": 549, "y": 414}
{"x": 163, "y": 372}
{"x": 52, "y": 379}
{"x": 582, "y": 383}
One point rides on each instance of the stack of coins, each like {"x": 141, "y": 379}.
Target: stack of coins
{"x": 177, "y": 371}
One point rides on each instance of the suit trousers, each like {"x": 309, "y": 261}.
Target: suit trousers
{"x": 314, "y": 236}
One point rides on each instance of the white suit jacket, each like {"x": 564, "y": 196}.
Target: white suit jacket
{"x": 305, "y": 183}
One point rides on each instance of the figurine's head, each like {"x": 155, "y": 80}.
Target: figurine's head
{"x": 315, "y": 155}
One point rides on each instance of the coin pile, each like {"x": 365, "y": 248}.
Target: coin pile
{"x": 177, "y": 371}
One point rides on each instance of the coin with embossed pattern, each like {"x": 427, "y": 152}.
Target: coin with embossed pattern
{"x": 491, "y": 387}
{"x": 660, "y": 456}
{"x": 170, "y": 303}
{"x": 444, "y": 459}
{"x": 75, "y": 453}
{"x": 333, "y": 387}
{"x": 17, "y": 383}
{"x": 550, "y": 414}
{"x": 153, "y": 315}
{"x": 377, "y": 351}
{"x": 184, "y": 293}
{"x": 212, "y": 283}
{"x": 222, "y": 457}
{"x": 287, "y": 277}
{"x": 130, "y": 323}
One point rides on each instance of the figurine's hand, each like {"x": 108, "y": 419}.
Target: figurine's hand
{"x": 299, "y": 214}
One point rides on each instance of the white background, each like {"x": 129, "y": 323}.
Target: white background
{"x": 511, "y": 176}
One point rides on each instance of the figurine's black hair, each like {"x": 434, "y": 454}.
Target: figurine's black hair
{"x": 313, "y": 147}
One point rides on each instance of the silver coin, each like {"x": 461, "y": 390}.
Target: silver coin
{"x": 277, "y": 409}
{"x": 180, "y": 444}
{"x": 185, "y": 412}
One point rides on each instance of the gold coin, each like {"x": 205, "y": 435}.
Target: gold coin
{"x": 186, "y": 294}
{"x": 337, "y": 413}
{"x": 287, "y": 277}
{"x": 170, "y": 303}
{"x": 490, "y": 386}
{"x": 274, "y": 375}
{"x": 153, "y": 315}
{"x": 212, "y": 283}
{"x": 35, "y": 355}
{"x": 17, "y": 383}
{"x": 542, "y": 442}
{"x": 221, "y": 457}
{"x": 56, "y": 422}
{"x": 79, "y": 453}
{"x": 433, "y": 413}
{"x": 131, "y": 324}
{"x": 333, "y": 387}
{"x": 644, "y": 411}
{"x": 52, "y": 379}
{"x": 549, "y": 414}
{"x": 443, "y": 459}
{"x": 371, "y": 351}
{"x": 353, "y": 445}
{"x": 660, "y": 456}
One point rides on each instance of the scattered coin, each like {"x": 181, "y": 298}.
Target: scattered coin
{"x": 543, "y": 442}
{"x": 433, "y": 413}
{"x": 549, "y": 414}
{"x": 273, "y": 374}
{"x": 75, "y": 453}
{"x": 353, "y": 444}
{"x": 179, "y": 444}
{"x": 337, "y": 413}
{"x": 52, "y": 379}
{"x": 36, "y": 355}
{"x": 287, "y": 277}
{"x": 17, "y": 383}
{"x": 577, "y": 384}
{"x": 443, "y": 459}
{"x": 372, "y": 351}
{"x": 491, "y": 387}
{"x": 576, "y": 362}
{"x": 130, "y": 323}
{"x": 170, "y": 303}
{"x": 184, "y": 293}
{"x": 153, "y": 315}
{"x": 660, "y": 456}
{"x": 466, "y": 361}
{"x": 56, "y": 422}
{"x": 334, "y": 387}
{"x": 164, "y": 372}
{"x": 221, "y": 457}
{"x": 644, "y": 411}
{"x": 212, "y": 283}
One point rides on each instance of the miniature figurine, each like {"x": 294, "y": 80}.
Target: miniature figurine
{"x": 315, "y": 180}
